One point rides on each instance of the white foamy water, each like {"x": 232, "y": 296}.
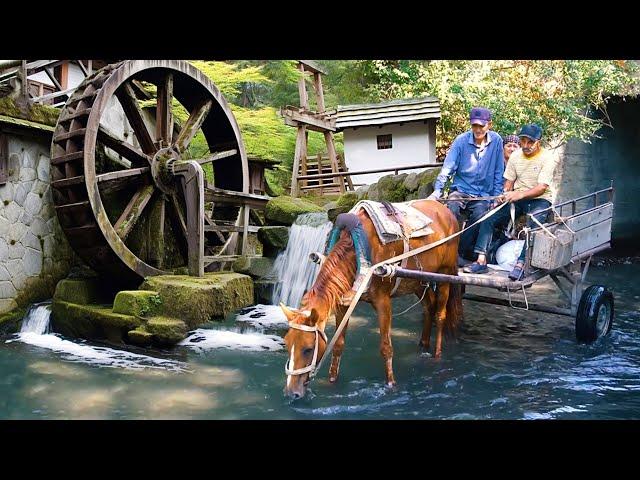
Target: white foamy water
{"x": 263, "y": 316}
{"x": 100, "y": 356}
{"x": 204, "y": 339}
{"x": 37, "y": 319}
{"x": 293, "y": 269}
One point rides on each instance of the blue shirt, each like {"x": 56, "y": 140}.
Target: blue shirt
{"x": 478, "y": 169}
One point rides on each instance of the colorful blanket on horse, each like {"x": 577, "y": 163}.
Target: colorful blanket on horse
{"x": 405, "y": 222}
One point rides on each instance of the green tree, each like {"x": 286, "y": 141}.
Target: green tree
{"x": 566, "y": 97}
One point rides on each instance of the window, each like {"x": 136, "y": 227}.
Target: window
{"x": 384, "y": 142}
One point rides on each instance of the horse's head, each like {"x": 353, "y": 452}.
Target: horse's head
{"x": 306, "y": 343}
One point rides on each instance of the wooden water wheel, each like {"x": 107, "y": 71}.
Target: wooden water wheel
{"x": 128, "y": 184}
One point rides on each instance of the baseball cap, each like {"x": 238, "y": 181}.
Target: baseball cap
{"x": 532, "y": 131}
{"x": 480, "y": 115}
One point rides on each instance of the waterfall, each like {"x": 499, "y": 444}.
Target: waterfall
{"x": 37, "y": 319}
{"x": 293, "y": 269}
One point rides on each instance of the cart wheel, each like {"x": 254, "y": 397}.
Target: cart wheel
{"x": 595, "y": 314}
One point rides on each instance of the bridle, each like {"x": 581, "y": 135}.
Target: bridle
{"x": 311, "y": 368}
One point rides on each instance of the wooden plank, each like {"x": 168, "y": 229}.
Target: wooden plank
{"x": 592, "y": 237}
{"x": 66, "y": 136}
{"x": 317, "y": 83}
{"x": 301, "y": 150}
{"x": 164, "y": 115}
{"x": 133, "y": 211}
{"x": 293, "y": 118}
{"x": 124, "y": 148}
{"x": 311, "y": 66}
{"x": 84, "y": 112}
{"x": 590, "y": 217}
{"x": 69, "y": 157}
{"x": 193, "y": 124}
{"x": 231, "y": 228}
{"x": 302, "y": 89}
{"x": 375, "y": 170}
{"x": 328, "y": 137}
{"x": 73, "y": 207}
{"x": 68, "y": 182}
{"x": 129, "y": 103}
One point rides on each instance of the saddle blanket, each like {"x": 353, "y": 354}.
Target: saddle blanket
{"x": 415, "y": 223}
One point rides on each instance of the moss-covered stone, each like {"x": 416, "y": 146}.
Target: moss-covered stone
{"x": 82, "y": 291}
{"x": 256, "y": 267}
{"x": 284, "y": 210}
{"x": 165, "y": 330}
{"x": 140, "y": 336}
{"x": 33, "y": 112}
{"x": 91, "y": 321}
{"x": 10, "y": 321}
{"x": 391, "y": 188}
{"x": 137, "y": 302}
{"x": 263, "y": 291}
{"x": 349, "y": 199}
{"x": 274, "y": 239}
{"x": 197, "y": 300}
{"x": 426, "y": 180}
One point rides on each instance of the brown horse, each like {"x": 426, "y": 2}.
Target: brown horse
{"x": 306, "y": 341}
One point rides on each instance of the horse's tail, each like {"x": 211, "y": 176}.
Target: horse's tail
{"x": 454, "y": 310}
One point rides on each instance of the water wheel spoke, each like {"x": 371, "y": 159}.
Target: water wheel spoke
{"x": 128, "y": 151}
{"x": 179, "y": 224}
{"x": 132, "y": 110}
{"x": 216, "y": 156}
{"x": 156, "y": 232}
{"x": 164, "y": 114}
{"x": 210, "y": 222}
{"x": 133, "y": 211}
{"x": 114, "y": 181}
{"x": 193, "y": 124}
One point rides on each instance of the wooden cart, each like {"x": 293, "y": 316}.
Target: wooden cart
{"x": 561, "y": 249}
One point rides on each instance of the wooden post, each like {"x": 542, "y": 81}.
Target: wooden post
{"x": 302, "y": 89}
{"x": 301, "y": 152}
{"x": 317, "y": 83}
{"x": 332, "y": 158}
{"x": 320, "y": 180}
{"x": 245, "y": 228}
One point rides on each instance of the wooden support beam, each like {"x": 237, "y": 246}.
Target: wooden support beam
{"x": 300, "y": 153}
{"x": 294, "y": 118}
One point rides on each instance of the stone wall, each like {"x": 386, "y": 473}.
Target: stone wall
{"x": 34, "y": 253}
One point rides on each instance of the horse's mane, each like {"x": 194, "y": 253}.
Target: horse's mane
{"x": 336, "y": 276}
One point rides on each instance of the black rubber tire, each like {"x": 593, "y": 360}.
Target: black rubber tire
{"x": 596, "y": 304}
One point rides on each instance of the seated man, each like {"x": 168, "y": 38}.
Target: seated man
{"x": 351, "y": 223}
{"x": 476, "y": 159}
{"x": 527, "y": 178}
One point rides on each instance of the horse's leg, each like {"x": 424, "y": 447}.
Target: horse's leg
{"x": 442, "y": 296}
{"x": 339, "y": 345}
{"x": 382, "y": 304}
{"x": 428, "y": 310}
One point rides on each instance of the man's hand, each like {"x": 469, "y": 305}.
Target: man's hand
{"x": 434, "y": 196}
{"x": 512, "y": 196}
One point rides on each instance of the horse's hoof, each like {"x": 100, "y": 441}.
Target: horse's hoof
{"x": 391, "y": 384}
{"x": 333, "y": 379}
{"x": 425, "y": 354}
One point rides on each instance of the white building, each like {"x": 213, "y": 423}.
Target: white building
{"x": 397, "y": 133}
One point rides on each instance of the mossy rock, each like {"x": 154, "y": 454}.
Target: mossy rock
{"x": 140, "y": 336}
{"x": 274, "y": 239}
{"x": 91, "y": 321}
{"x": 10, "y": 321}
{"x": 82, "y": 291}
{"x": 263, "y": 291}
{"x": 197, "y": 300}
{"x": 166, "y": 331}
{"x": 347, "y": 200}
{"x": 137, "y": 302}
{"x": 391, "y": 188}
{"x": 256, "y": 267}
{"x": 284, "y": 210}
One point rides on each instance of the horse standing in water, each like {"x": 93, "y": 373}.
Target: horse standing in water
{"x": 306, "y": 341}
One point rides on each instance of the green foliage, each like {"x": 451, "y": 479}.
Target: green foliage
{"x": 566, "y": 97}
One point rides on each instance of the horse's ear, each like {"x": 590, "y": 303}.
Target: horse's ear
{"x": 314, "y": 317}
{"x": 287, "y": 312}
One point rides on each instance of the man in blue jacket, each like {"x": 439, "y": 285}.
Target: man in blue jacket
{"x": 476, "y": 161}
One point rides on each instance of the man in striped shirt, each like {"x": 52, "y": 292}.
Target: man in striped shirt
{"x": 528, "y": 175}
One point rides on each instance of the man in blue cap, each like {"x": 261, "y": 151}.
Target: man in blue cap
{"x": 476, "y": 159}
{"x": 528, "y": 176}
